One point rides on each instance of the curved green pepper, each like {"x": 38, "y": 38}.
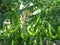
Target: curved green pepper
{"x": 50, "y": 33}
{"x": 36, "y": 30}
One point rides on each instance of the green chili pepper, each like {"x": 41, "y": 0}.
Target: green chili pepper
{"x": 36, "y": 30}
{"x": 50, "y": 33}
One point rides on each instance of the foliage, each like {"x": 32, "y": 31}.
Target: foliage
{"x": 29, "y": 22}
